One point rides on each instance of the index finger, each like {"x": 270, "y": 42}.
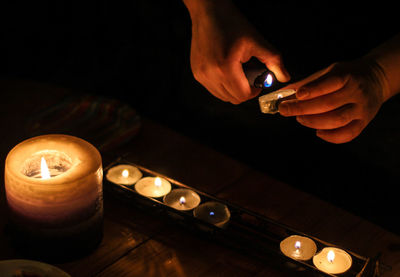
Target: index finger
{"x": 273, "y": 61}
{"x": 324, "y": 84}
{"x": 298, "y": 84}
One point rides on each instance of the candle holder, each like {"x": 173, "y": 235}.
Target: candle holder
{"x": 55, "y": 199}
{"x": 241, "y": 229}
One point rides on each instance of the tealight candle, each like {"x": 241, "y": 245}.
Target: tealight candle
{"x": 213, "y": 212}
{"x": 182, "y": 199}
{"x": 153, "y": 187}
{"x": 332, "y": 260}
{"x": 298, "y": 247}
{"x": 269, "y": 103}
{"x": 54, "y": 190}
{"x": 124, "y": 174}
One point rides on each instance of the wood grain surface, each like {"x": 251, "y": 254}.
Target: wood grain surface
{"x": 140, "y": 244}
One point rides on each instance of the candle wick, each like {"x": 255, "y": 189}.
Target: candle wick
{"x": 125, "y": 173}
{"x": 44, "y": 169}
{"x": 157, "y": 182}
{"x": 331, "y": 256}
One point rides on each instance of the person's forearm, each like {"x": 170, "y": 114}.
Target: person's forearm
{"x": 198, "y": 7}
{"x": 194, "y": 6}
{"x": 387, "y": 57}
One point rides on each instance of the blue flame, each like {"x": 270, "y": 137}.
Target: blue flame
{"x": 269, "y": 80}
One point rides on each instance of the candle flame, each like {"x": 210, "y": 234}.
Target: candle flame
{"x": 125, "y": 173}
{"x": 331, "y": 256}
{"x": 157, "y": 182}
{"x": 182, "y": 200}
{"x": 44, "y": 169}
{"x": 297, "y": 245}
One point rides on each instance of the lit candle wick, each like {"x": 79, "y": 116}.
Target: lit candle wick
{"x": 331, "y": 256}
{"x": 211, "y": 213}
{"x": 157, "y": 182}
{"x": 297, "y": 252}
{"x": 182, "y": 200}
{"x": 125, "y": 173}
{"x": 44, "y": 169}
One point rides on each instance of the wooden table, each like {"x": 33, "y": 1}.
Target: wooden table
{"x": 139, "y": 244}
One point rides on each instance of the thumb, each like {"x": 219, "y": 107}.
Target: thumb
{"x": 272, "y": 59}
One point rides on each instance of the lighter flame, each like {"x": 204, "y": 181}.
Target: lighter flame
{"x": 331, "y": 256}
{"x": 269, "y": 79}
{"x": 297, "y": 245}
{"x": 182, "y": 200}
{"x": 44, "y": 169}
{"x": 157, "y": 182}
{"x": 125, "y": 173}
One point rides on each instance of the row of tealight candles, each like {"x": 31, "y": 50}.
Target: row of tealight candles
{"x": 182, "y": 199}
{"x": 330, "y": 260}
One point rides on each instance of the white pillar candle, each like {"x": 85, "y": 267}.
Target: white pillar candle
{"x": 67, "y": 200}
{"x": 182, "y": 199}
{"x": 124, "y": 174}
{"x": 298, "y": 247}
{"x": 153, "y": 187}
{"x": 332, "y": 260}
{"x": 213, "y": 212}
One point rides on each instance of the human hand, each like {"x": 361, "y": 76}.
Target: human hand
{"x": 338, "y": 101}
{"x": 222, "y": 40}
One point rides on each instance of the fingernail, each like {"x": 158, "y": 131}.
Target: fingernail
{"x": 302, "y": 93}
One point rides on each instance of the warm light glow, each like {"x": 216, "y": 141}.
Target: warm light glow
{"x": 279, "y": 95}
{"x": 331, "y": 256}
{"x": 157, "y": 182}
{"x": 44, "y": 169}
{"x": 269, "y": 80}
{"x": 297, "y": 245}
{"x": 182, "y": 200}
{"x": 125, "y": 173}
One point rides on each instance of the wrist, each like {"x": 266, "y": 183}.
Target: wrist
{"x": 387, "y": 57}
{"x": 380, "y": 72}
{"x": 380, "y": 78}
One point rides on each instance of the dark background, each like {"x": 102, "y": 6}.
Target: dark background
{"x": 138, "y": 52}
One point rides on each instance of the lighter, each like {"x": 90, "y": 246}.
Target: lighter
{"x": 260, "y": 77}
